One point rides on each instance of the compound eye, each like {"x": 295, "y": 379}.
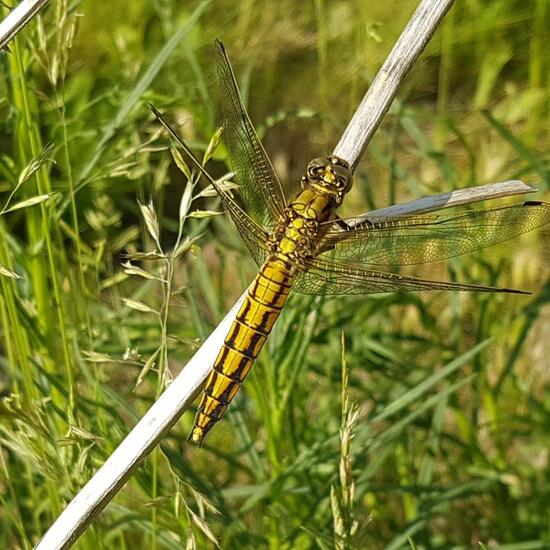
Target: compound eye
{"x": 313, "y": 172}
{"x": 314, "y": 167}
{"x": 342, "y": 182}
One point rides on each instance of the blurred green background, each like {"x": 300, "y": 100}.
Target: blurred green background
{"x": 389, "y": 421}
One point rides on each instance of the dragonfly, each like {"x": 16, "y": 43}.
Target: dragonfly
{"x": 304, "y": 246}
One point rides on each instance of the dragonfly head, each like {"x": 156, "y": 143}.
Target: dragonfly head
{"x": 329, "y": 175}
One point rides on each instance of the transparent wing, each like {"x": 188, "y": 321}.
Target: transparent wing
{"x": 422, "y": 240}
{"x": 252, "y": 234}
{"x": 258, "y": 183}
{"x": 331, "y": 278}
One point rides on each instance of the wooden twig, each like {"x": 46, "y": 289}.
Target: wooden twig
{"x": 383, "y": 89}
{"x": 179, "y": 395}
{"x": 447, "y": 200}
{"x": 143, "y": 438}
{"x": 18, "y": 18}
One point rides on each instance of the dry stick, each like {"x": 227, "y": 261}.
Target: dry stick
{"x": 446, "y": 200}
{"x": 18, "y": 18}
{"x": 179, "y": 395}
{"x": 383, "y": 89}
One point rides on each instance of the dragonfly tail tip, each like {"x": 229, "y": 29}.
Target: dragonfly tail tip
{"x": 196, "y": 437}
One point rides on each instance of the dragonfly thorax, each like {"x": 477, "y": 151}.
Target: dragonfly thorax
{"x": 293, "y": 238}
{"x": 330, "y": 176}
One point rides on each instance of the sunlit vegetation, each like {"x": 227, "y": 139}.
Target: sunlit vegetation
{"x": 389, "y": 421}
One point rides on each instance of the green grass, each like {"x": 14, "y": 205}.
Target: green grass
{"x": 391, "y": 421}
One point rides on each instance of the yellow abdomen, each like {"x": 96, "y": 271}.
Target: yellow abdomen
{"x": 245, "y": 339}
